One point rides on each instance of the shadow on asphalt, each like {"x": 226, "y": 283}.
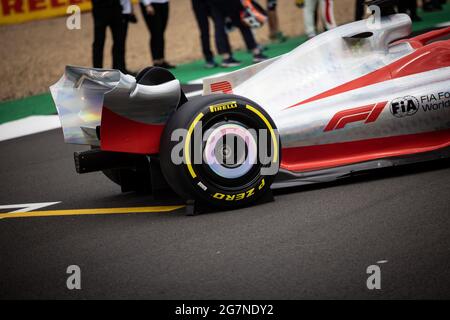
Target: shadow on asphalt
{"x": 371, "y": 175}
{"x": 134, "y": 199}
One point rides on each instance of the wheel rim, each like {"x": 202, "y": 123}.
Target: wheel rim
{"x": 230, "y": 150}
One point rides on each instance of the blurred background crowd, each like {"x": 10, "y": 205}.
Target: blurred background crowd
{"x": 226, "y": 16}
{"x": 202, "y": 37}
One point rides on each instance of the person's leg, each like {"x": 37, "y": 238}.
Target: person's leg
{"x": 327, "y": 9}
{"x": 150, "y": 25}
{"x": 233, "y": 9}
{"x": 432, "y": 5}
{"x": 413, "y": 6}
{"x": 124, "y": 41}
{"x": 273, "y": 18}
{"x": 160, "y": 19}
{"x": 218, "y": 14}
{"x": 413, "y": 10}
{"x": 100, "y": 25}
{"x": 409, "y": 7}
{"x": 359, "y": 10}
{"x": 274, "y": 26}
{"x": 164, "y": 13}
{"x": 438, "y": 4}
{"x": 157, "y": 28}
{"x": 404, "y": 6}
{"x": 221, "y": 38}
{"x": 248, "y": 37}
{"x": 309, "y": 17}
{"x": 201, "y": 15}
{"x": 389, "y": 7}
{"x": 119, "y": 27}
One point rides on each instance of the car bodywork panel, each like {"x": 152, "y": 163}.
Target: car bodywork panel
{"x": 126, "y": 111}
{"x": 353, "y": 98}
{"x": 338, "y": 98}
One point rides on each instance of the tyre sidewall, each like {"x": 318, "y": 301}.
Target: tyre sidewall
{"x": 188, "y": 180}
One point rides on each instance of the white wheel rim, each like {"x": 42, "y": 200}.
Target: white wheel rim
{"x": 245, "y": 158}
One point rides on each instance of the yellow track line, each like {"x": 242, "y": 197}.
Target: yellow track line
{"x": 76, "y": 212}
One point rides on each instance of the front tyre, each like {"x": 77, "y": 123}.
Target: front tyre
{"x": 220, "y": 150}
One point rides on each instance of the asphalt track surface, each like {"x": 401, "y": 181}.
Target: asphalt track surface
{"x": 311, "y": 242}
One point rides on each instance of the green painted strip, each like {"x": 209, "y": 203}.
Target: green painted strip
{"x": 35, "y": 105}
{"x": 43, "y": 105}
{"x": 430, "y": 19}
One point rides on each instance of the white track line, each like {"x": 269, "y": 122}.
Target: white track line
{"x": 27, "y": 126}
{"x": 27, "y": 207}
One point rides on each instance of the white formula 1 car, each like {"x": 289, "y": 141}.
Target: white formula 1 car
{"x": 359, "y": 97}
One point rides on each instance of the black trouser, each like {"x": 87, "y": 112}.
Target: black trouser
{"x": 386, "y": 8}
{"x": 221, "y": 9}
{"x": 108, "y": 13}
{"x": 408, "y": 5}
{"x": 434, "y": 3}
{"x": 271, "y": 5}
{"x": 157, "y": 24}
{"x": 359, "y": 12}
{"x": 202, "y": 10}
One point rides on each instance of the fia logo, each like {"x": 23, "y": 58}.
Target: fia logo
{"x": 374, "y": 280}
{"x": 406, "y": 106}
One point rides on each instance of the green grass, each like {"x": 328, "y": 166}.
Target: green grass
{"x": 43, "y": 105}
{"x": 430, "y": 19}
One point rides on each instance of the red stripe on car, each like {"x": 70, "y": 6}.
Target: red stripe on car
{"x": 309, "y": 158}
{"x": 430, "y": 57}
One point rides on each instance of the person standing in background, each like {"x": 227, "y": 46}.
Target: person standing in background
{"x": 409, "y": 7}
{"x": 360, "y": 10}
{"x": 326, "y": 12}
{"x": 156, "y": 15}
{"x": 391, "y": 7}
{"x": 387, "y": 7}
{"x": 202, "y": 12}
{"x": 108, "y": 13}
{"x": 433, "y": 5}
{"x": 274, "y": 26}
{"x": 127, "y": 17}
{"x": 221, "y": 9}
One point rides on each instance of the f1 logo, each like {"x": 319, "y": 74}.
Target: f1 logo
{"x": 367, "y": 114}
